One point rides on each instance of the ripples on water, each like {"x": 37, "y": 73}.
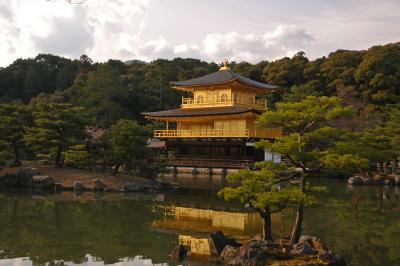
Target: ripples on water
{"x": 362, "y": 223}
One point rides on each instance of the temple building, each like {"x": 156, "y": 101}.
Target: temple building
{"x": 216, "y": 126}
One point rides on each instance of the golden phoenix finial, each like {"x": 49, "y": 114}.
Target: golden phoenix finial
{"x": 224, "y": 65}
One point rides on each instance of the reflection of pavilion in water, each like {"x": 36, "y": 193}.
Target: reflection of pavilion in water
{"x": 194, "y": 224}
{"x": 199, "y": 181}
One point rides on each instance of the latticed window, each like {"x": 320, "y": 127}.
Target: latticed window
{"x": 235, "y": 98}
{"x": 224, "y": 98}
{"x": 200, "y": 99}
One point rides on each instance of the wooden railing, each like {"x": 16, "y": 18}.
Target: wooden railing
{"x": 201, "y": 133}
{"x": 269, "y": 133}
{"x": 256, "y": 103}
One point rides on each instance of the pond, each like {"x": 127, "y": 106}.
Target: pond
{"x": 361, "y": 223}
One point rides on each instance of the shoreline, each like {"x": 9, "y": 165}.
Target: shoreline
{"x": 49, "y": 178}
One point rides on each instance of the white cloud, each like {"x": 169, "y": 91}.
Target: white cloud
{"x": 70, "y": 36}
{"x": 148, "y": 29}
{"x": 284, "y": 40}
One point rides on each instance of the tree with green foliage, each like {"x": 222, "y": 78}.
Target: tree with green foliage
{"x": 127, "y": 142}
{"x": 306, "y": 138}
{"x": 57, "y": 127}
{"x": 78, "y": 156}
{"x": 358, "y": 151}
{"x": 15, "y": 119}
{"x": 266, "y": 191}
{"x": 389, "y": 126}
{"x": 103, "y": 95}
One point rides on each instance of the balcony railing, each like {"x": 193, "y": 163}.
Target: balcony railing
{"x": 256, "y": 103}
{"x": 201, "y": 133}
{"x": 269, "y": 133}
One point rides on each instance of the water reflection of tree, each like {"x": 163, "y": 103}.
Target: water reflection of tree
{"x": 361, "y": 225}
{"x": 58, "y": 230}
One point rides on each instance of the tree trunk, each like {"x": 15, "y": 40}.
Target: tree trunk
{"x": 267, "y": 224}
{"x": 58, "y": 156}
{"x": 17, "y": 158}
{"x": 297, "y": 228}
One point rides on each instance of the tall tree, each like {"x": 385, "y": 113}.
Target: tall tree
{"x": 103, "y": 95}
{"x": 307, "y": 136}
{"x": 127, "y": 145}
{"x": 14, "y": 122}
{"x": 266, "y": 192}
{"x": 57, "y": 127}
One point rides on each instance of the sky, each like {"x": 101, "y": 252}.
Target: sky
{"x": 211, "y": 30}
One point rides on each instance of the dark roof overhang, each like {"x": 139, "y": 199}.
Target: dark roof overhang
{"x": 188, "y": 112}
{"x": 221, "y": 77}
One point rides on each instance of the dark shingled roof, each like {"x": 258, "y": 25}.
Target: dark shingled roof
{"x": 184, "y": 112}
{"x": 223, "y": 76}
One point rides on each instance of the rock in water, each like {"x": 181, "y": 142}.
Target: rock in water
{"x": 371, "y": 181}
{"x": 218, "y": 241}
{"x": 313, "y": 242}
{"x": 303, "y": 249}
{"x": 178, "y": 253}
{"x": 25, "y": 176}
{"x": 355, "y": 180}
{"x": 256, "y": 252}
{"x": 42, "y": 182}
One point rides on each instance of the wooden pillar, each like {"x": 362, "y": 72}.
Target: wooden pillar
{"x": 167, "y": 125}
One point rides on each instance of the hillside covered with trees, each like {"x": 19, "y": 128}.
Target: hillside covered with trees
{"x": 70, "y": 111}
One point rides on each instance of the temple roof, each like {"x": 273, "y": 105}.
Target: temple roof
{"x": 187, "y": 112}
{"x": 220, "y": 77}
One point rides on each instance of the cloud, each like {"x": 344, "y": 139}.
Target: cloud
{"x": 9, "y": 32}
{"x": 284, "y": 40}
{"x": 118, "y": 27}
{"x": 70, "y": 36}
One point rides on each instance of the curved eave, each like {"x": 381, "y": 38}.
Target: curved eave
{"x": 199, "y": 112}
{"x": 191, "y": 88}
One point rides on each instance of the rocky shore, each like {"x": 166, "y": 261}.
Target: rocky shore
{"x": 388, "y": 180}
{"x": 309, "y": 251}
{"x": 32, "y": 178}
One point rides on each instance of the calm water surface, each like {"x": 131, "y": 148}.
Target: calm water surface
{"x": 361, "y": 223}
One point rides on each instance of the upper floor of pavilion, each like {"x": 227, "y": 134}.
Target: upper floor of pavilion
{"x": 223, "y": 88}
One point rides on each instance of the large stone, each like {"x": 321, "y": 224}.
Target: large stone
{"x": 25, "y": 176}
{"x": 78, "y": 186}
{"x": 303, "y": 248}
{"x": 130, "y": 187}
{"x": 255, "y": 252}
{"x": 313, "y": 242}
{"x": 371, "y": 181}
{"x": 178, "y": 253}
{"x": 217, "y": 241}
{"x": 355, "y": 180}
{"x": 42, "y": 182}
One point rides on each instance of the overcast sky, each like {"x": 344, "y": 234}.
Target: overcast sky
{"x": 251, "y": 30}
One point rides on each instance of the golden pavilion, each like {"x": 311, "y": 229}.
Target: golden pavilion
{"x": 216, "y": 126}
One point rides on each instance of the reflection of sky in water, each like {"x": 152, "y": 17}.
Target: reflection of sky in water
{"x": 136, "y": 261}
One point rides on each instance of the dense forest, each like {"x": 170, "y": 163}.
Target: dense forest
{"x": 50, "y": 103}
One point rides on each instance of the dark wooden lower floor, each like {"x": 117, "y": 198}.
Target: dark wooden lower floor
{"x": 216, "y": 154}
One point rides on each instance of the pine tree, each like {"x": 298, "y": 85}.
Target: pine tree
{"x": 57, "y": 127}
